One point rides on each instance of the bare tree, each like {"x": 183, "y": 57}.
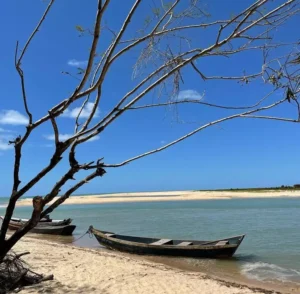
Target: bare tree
{"x": 166, "y": 49}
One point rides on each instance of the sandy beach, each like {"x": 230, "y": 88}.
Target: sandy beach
{"x": 168, "y": 196}
{"x": 90, "y": 270}
{"x": 82, "y": 270}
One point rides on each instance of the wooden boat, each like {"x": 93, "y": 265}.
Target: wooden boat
{"x": 155, "y": 246}
{"x": 42, "y": 222}
{"x": 44, "y": 219}
{"x": 52, "y": 230}
{"x": 46, "y": 223}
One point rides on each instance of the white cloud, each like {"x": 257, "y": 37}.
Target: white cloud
{"x": 12, "y": 117}
{"x": 95, "y": 138}
{"x": 85, "y": 113}
{"x": 77, "y": 63}
{"x": 163, "y": 142}
{"x": 63, "y": 137}
{"x": 4, "y": 145}
{"x": 4, "y": 142}
{"x": 189, "y": 94}
{"x": 6, "y": 131}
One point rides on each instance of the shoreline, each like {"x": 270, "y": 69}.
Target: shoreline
{"x": 85, "y": 270}
{"x": 168, "y": 196}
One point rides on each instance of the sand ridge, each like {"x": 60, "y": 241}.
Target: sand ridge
{"x": 167, "y": 196}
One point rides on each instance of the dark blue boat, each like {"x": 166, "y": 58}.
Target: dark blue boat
{"x": 156, "y": 246}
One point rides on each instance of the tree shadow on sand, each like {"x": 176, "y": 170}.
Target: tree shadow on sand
{"x": 58, "y": 288}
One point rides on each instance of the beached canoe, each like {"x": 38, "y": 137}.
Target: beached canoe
{"x": 52, "y": 230}
{"x": 46, "y": 223}
{"x": 155, "y": 246}
{"x": 45, "y": 219}
{"x": 42, "y": 222}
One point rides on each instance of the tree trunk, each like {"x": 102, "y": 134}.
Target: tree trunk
{"x": 7, "y": 245}
{"x": 8, "y": 214}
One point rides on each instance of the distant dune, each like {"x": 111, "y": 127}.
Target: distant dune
{"x": 171, "y": 196}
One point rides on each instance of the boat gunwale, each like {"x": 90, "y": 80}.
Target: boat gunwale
{"x": 43, "y": 227}
{"x": 189, "y": 247}
{"x": 24, "y": 221}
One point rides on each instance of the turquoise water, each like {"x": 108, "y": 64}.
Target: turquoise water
{"x": 270, "y": 251}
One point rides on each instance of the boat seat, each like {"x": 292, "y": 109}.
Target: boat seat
{"x": 185, "y": 244}
{"x": 162, "y": 242}
{"x": 109, "y": 235}
{"x": 222, "y": 243}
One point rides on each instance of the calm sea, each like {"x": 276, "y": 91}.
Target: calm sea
{"x": 270, "y": 252}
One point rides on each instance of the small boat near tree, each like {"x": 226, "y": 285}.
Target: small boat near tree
{"x": 157, "y": 246}
{"x": 52, "y": 227}
{"x": 65, "y": 230}
{"x": 43, "y": 222}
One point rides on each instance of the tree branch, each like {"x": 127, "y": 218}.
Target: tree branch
{"x": 194, "y": 132}
{"x": 34, "y": 32}
{"x": 100, "y": 12}
{"x": 20, "y": 141}
{"x": 272, "y": 118}
{"x": 35, "y": 217}
{"x": 244, "y": 78}
{"x": 56, "y": 189}
{"x": 184, "y": 101}
{"x": 113, "y": 46}
{"x": 265, "y": 16}
{"x": 19, "y": 60}
{"x": 164, "y": 16}
{"x": 110, "y": 117}
{"x": 60, "y": 200}
{"x": 55, "y": 129}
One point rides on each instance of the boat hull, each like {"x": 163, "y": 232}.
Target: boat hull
{"x": 50, "y": 230}
{"x": 200, "y": 251}
{"x": 42, "y": 222}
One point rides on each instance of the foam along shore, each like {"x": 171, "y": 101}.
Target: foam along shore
{"x": 82, "y": 270}
{"x": 168, "y": 196}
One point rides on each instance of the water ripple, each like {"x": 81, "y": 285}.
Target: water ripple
{"x": 265, "y": 271}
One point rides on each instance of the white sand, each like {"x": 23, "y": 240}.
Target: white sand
{"x": 81, "y": 270}
{"x": 168, "y": 196}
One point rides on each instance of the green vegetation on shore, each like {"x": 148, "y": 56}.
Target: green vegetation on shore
{"x": 261, "y": 189}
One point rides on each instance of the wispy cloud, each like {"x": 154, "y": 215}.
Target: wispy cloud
{"x": 63, "y": 137}
{"x": 77, "y": 63}
{"x": 95, "y": 138}
{"x": 12, "y": 117}
{"x": 85, "y": 113}
{"x": 4, "y": 145}
{"x": 189, "y": 94}
{"x": 5, "y": 131}
{"x": 4, "y": 138}
{"x": 163, "y": 142}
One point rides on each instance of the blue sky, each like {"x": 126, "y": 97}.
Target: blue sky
{"x": 239, "y": 153}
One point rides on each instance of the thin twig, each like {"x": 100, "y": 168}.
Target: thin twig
{"x": 18, "y": 61}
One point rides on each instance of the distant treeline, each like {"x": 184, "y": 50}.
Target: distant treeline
{"x": 283, "y": 187}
